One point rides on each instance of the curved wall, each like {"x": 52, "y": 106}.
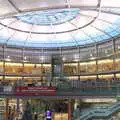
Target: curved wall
{"x": 101, "y": 60}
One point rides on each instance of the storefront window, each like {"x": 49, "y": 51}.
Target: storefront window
{"x": 60, "y": 116}
{"x": 1, "y": 67}
{"x": 32, "y": 81}
{"x": 88, "y": 66}
{"x": 106, "y": 77}
{"x": 29, "y": 68}
{"x": 37, "y": 69}
{"x": 13, "y": 80}
{"x": 46, "y": 69}
{"x": 16, "y": 68}
{"x": 118, "y": 76}
{"x": 117, "y": 64}
{"x": 105, "y": 65}
{"x": 92, "y": 77}
{"x": 71, "y": 69}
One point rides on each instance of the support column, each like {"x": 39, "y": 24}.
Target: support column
{"x": 69, "y": 109}
{"x": 3, "y": 63}
{"x": 7, "y": 107}
{"x": 18, "y": 104}
{"x": 97, "y": 70}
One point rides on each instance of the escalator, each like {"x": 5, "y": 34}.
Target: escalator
{"x": 100, "y": 113}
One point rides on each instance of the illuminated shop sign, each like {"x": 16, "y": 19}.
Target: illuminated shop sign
{"x": 35, "y": 90}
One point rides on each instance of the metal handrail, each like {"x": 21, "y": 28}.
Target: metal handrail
{"x": 100, "y": 112}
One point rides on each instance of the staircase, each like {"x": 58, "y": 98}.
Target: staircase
{"x": 101, "y": 112}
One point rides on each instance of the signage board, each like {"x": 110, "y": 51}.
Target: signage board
{"x": 35, "y": 90}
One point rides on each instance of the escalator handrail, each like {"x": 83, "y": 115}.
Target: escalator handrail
{"x": 100, "y": 112}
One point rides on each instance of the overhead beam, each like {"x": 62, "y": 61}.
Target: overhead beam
{"x": 109, "y": 12}
{"x": 14, "y": 6}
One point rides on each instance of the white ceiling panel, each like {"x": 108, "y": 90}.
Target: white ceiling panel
{"x": 6, "y": 8}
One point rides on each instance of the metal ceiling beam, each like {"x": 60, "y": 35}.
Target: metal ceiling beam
{"x": 71, "y": 30}
{"x": 109, "y": 12}
{"x": 10, "y": 36}
{"x": 28, "y": 36}
{"x": 9, "y": 24}
{"x": 14, "y": 6}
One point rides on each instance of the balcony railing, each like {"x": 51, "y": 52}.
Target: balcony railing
{"x": 66, "y": 88}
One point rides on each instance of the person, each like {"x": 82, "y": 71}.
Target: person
{"x": 77, "y": 112}
{"x": 48, "y": 115}
{"x": 35, "y": 116}
{"x": 27, "y": 115}
{"x": 12, "y": 116}
{"x": 20, "y": 116}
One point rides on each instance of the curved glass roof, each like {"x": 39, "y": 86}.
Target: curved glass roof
{"x": 49, "y": 17}
{"x": 72, "y": 26}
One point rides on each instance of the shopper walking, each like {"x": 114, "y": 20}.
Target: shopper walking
{"x": 35, "y": 116}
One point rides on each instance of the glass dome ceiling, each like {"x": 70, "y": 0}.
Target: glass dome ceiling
{"x": 49, "y": 17}
{"x": 98, "y": 20}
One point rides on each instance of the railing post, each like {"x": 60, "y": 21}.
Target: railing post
{"x": 69, "y": 109}
{"x": 18, "y": 104}
{"x": 6, "y": 112}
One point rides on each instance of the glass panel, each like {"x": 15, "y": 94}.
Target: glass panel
{"x": 70, "y": 69}
{"x": 88, "y": 82}
{"x": 12, "y": 80}
{"x": 117, "y": 64}
{"x": 70, "y": 54}
{"x": 117, "y": 45}
{"x": 105, "y": 49}
{"x": 105, "y": 82}
{"x": 46, "y": 68}
{"x": 87, "y": 77}
{"x": 29, "y": 68}
{"x": 107, "y": 77}
{"x": 1, "y": 53}
{"x": 75, "y": 83}
{"x": 13, "y": 54}
{"x": 29, "y": 81}
{"x": 105, "y": 65}
{"x": 118, "y": 76}
{"x": 1, "y": 78}
{"x": 88, "y": 52}
{"x": 1, "y": 67}
{"x": 37, "y": 69}
{"x": 88, "y": 66}
{"x": 13, "y": 68}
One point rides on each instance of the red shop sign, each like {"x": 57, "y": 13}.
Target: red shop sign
{"x": 35, "y": 90}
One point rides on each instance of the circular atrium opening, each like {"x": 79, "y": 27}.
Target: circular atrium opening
{"x": 59, "y": 59}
